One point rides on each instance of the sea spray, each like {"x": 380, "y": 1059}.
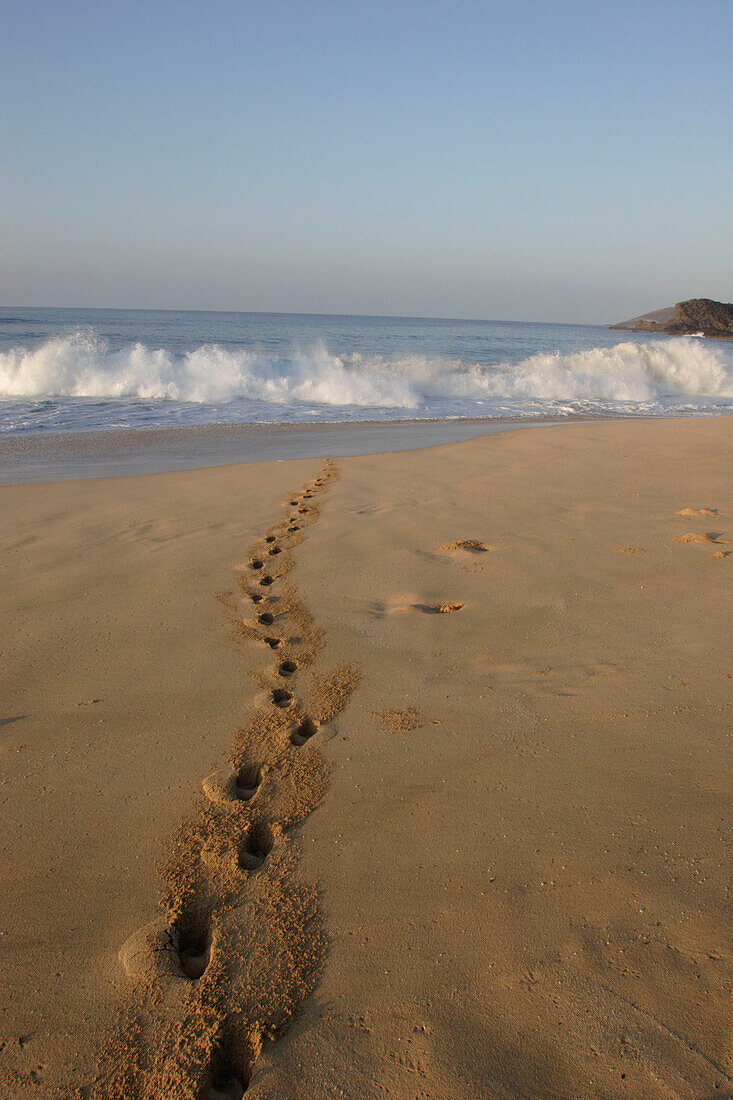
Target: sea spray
{"x": 82, "y": 365}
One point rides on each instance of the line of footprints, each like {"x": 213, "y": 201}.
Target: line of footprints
{"x": 185, "y": 949}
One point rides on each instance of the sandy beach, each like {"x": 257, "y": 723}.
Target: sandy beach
{"x": 403, "y": 775}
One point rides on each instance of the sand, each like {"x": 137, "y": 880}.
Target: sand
{"x": 366, "y": 848}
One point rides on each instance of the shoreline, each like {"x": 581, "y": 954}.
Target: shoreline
{"x": 128, "y": 452}
{"x": 41, "y": 458}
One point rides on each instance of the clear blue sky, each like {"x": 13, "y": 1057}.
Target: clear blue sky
{"x": 528, "y": 160}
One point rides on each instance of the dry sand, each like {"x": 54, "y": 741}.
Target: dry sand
{"x": 482, "y": 853}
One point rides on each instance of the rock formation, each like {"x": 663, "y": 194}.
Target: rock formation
{"x": 689, "y": 318}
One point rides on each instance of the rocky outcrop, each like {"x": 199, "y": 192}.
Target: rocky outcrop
{"x": 689, "y": 318}
{"x": 702, "y": 315}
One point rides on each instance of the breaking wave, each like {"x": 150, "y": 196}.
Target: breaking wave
{"x": 82, "y": 365}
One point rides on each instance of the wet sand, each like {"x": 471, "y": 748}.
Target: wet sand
{"x": 471, "y": 841}
{"x": 62, "y": 456}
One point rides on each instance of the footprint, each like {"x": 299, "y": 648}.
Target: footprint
{"x": 466, "y": 544}
{"x": 256, "y": 846}
{"x": 247, "y": 780}
{"x": 629, "y": 549}
{"x": 193, "y": 938}
{"x": 303, "y": 731}
{"x": 237, "y": 786}
{"x": 227, "y": 1076}
{"x": 281, "y": 697}
{"x": 700, "y": 512}
{"x": 693, "y": 536}
{"x": 438, "y": 608}
{"x": 188, "y": 944}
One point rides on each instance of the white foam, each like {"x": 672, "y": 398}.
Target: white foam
{"x": 82, "y": 366}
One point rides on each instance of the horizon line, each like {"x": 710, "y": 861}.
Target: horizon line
{"x": 301, "y": 313}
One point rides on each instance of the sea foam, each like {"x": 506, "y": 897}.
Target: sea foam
{"x": 82, "y": 365}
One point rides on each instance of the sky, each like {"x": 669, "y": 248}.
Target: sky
{"x": 523, "y": 160}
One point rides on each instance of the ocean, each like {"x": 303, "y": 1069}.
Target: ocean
{"x": 92, "y": 369}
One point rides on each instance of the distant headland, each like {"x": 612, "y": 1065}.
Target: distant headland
{"x": 696, "y": 316}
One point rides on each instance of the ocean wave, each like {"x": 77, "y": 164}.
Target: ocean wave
{"x": 82, "y": 365}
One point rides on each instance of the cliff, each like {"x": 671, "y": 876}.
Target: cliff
{"x": 696, "y": 315}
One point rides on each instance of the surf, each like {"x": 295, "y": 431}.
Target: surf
{"x": 82, "y": 365}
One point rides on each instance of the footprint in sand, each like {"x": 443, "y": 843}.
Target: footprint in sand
{"x": 237, "y": 786}
{"x": 472, "y": 545}
{"x": 281, "y": 698}
{"x": 694, "y": 537}
{"x": 398, "y": 605}
{"x": 179, "y": 946}
{"x": 629, "y": 549}
{"x": 246, "y": 781}
{"x": 193, "y": 937}
{"x": 709, "y": 538}
{"x": 303, "y": 732}
{"x": 227, "y": 1077}
{"x": 699, "y": 512}
{"x": 221, "y": 1084}
{"x": 256, "y": 846}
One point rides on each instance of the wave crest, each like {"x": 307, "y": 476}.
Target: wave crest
{"x": 82, "y": 365}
